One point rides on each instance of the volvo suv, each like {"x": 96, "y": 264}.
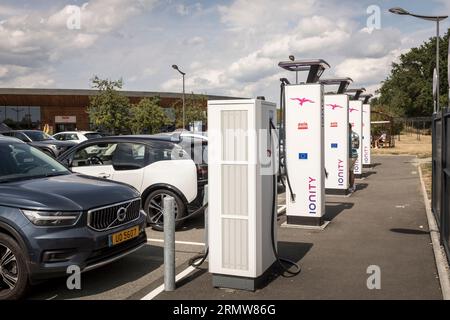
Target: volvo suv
{"x": 52, "y": 219}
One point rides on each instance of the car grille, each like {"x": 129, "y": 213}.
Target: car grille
{"x": 108, "y": 217}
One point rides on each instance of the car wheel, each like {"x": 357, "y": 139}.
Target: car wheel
{"x": 154, "y": 208}
{"x": 13, "y": 270}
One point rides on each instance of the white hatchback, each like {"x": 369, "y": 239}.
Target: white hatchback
{"x": 77, "y": 136}
{"x": 157, "y": 169}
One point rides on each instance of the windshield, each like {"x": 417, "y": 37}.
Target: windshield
{"x": 19, "y": 161}
{"x": 38, "y": 136}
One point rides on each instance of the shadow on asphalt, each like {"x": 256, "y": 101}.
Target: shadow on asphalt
{"x": 368, "y": 173}
{"x": 409, "y": 231}
{"x": 360, "y": 186}
{"x": 333, "y": 209}
{"x": 116, "y": 274}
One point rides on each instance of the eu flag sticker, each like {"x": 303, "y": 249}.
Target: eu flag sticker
{"x": 334, "y": 145}
{"x": 303, "y": 156}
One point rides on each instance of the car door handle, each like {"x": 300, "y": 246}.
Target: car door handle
{"x": 104, "y": 175}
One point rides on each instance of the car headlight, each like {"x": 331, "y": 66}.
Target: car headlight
{"x": 52, "y": 219}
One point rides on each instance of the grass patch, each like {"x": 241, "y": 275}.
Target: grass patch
{"x": 408, "y": 145}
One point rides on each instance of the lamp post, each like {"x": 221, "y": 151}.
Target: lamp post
{"x": 184, "y": 95}
{"x": 403, "y": 12}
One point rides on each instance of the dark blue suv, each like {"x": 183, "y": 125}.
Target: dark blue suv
{"x": 51, "y": 219}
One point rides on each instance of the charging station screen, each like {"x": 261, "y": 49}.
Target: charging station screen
{"x": 355, "y": 118}
{"x": 366, "y": 135}
{"x": 336, "y": 141}
{"x": 305, "y": 150}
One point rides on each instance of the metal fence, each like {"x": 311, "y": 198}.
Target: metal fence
{"x": 441, "y": 175}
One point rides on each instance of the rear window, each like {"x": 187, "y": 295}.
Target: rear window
{"x": 93, "y": 135}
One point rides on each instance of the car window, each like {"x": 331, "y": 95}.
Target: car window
{"x": 60, "y": 136}
{"x": 21, "y": 136}
{"x": 21, "y": 161}
{"x": 92, "y": 135}
{"x": 94, "y": 155}
{"x": 129, "y": 156}
{"x": 71, "y": 136}
{"x": 38, "y": 136}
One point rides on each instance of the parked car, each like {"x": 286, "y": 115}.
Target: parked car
{"x": 196, "y": 145}
{"x": 51, "y": 219}
{"x": 41, "y": 140}
{"x": 156, "y": 168}
{"x": 77, "y": 136}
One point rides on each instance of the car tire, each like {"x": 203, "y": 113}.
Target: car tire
{"x": 15, "y": 268}
{"x": 153, "y": 207}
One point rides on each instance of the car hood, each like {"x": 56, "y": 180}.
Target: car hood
{"x": 72, "y": 192}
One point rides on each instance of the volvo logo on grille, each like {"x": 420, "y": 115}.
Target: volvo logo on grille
{"x": 121, "y": 214}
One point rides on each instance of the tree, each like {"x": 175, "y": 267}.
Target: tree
{"x": 195, "y": 110}
{"x": 147, "y": 114}
{"x": 109, "y": 109}
{"x": 407, "y": 91}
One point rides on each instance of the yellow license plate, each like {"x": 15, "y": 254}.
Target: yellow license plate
{"x": 123, "y": 236}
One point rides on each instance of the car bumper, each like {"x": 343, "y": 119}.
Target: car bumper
{"x": 81, "y": 247}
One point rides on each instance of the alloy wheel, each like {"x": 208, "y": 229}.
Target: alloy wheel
{"x": 9, "y": 272}
{"x": 155, "y": 208}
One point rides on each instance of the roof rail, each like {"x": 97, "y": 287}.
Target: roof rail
{"x": 342, "y": 82}
{"x": 315, "y": 67}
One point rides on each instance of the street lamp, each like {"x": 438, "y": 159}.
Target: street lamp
{"x": 184, "y": 95}
{"x": 292, "y": 58}
{"x": 403, "y": 12}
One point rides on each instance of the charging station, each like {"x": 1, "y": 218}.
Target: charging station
{"x": 337, "y": 146}
{"x": 366, "y": 130}
{"x": 304, "y": 144}
{"x": 355, "y": 118}
{"x": 242, "y": 192}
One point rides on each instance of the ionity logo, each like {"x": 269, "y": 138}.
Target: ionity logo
{"x": 301, "y": 101}
{"x": 312, "y": 195}
{"x": 352, "y": 109}
{"x": 333, "y": 124}
{"x": 303, "y": 126}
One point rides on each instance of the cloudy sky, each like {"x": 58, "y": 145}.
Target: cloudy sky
{"x": 225, "y": 47}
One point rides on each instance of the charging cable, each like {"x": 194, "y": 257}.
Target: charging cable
{"x": 281, "y": 261}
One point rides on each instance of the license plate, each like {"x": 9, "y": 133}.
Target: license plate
{"x": 123, "y": 236}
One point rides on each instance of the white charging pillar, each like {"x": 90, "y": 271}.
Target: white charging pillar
{"x": 242, "y": 189}
{"x": 366, "y": 148}
{"x": 337, "y": 143}
{"x": 305, "y": 154}
{"x": 355, "y": 118}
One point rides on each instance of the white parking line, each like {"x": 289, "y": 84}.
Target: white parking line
{"x": 178, "y": 242}
{"x": 160, "y": 289}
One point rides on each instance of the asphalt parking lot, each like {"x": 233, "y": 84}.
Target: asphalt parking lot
{"x": 383, "y": 223}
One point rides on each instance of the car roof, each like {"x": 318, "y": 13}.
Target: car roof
{"x": 5, "y": 139}
{"x": 131, "y": 138}
{"x": 71, "y": 132}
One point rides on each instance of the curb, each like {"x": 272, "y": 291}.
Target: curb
{"x": 441, "y": 261}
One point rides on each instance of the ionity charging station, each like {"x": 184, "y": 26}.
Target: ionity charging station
{"x": 366, "y": 139}
{"x": 302, "y": 109}
{"x": 355, "y": 118}
{"x": 243, "y": 165}
{"x": 337, "y": 146}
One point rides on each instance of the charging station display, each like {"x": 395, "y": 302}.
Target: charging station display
{"x": 242, "y": 191}
{"x": 305, "y": 153}
{"x": 336, "y": 143}
{"x": 355, "y": 118}
{"x": 366, "y": 141}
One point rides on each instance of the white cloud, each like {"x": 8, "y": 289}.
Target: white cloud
{"x": 34, "y": 39}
